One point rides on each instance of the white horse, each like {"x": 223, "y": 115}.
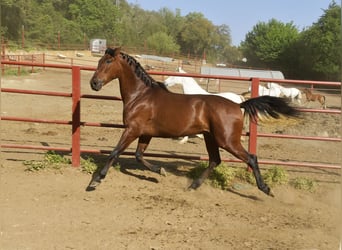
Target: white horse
{"x": 272, "y": 91}
{"x": 190, "y": 86}
{"x": 293, "y": 93}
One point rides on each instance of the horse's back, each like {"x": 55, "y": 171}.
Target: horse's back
{"x": 231, "y": 96}
{"x": 221, "y": 109}
{"x": 211, "y": 104}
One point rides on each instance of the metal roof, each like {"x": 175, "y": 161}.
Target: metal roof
{"x": 157, "y": 58}
{"x": 242, "y": 72}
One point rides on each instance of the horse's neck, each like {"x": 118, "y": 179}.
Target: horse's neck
{"x": 130, "y": 85}
{"x": 191, "y": 87}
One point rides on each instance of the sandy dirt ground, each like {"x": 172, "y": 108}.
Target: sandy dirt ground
{"x": 136, "y": 209}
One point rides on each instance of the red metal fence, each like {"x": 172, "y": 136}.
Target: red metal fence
{"x": 76, "y": 123}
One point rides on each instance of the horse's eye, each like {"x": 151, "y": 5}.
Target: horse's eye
{"x": 108, "y": 61}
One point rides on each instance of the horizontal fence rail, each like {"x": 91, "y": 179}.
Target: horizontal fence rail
{"x": 76, "y": 96}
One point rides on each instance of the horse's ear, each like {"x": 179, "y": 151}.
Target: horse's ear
{"x": 110, "y": 51}
{"x": 117, "y": 51}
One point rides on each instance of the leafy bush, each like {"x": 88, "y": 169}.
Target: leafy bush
{"x": 275, "y": 176}
{"x": 304, "y": 183}
{"x": 54, "y": 160}
{"x": 88, "y": 165}
{"x": 243, "y": 175}
{"x": 51, "y": 160}
{"x": 223, "y": 176}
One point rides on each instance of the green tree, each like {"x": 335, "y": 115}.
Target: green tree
{"x": 267, "y": 44}
{"x": 172, "y": 20}
{"x": 320, "y": 47}
{"x": 97, "y": 18}
{"x": 196, "y": 34}
{"x": 10, "y": 26}
{"x": 41, "y": 22}
{"x": 220, "y": 49}
{"x": 139, "y": 25}
{"x": 162, "y": 43}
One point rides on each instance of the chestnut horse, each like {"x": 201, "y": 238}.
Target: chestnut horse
{"x": 150, "y": 110}
{"x": 310, "y": 97}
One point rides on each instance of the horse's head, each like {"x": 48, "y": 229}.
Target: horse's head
{"x": 306, "y": 91}
{"x": 170, "y": 81}
{"x": 108, "y": 68}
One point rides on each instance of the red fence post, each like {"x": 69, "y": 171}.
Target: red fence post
{"x": 76, "y": 116}
{"x": 253, "y": 131}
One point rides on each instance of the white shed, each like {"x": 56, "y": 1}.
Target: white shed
{"x": 98, "y": 45}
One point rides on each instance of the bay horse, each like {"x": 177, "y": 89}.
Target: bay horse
{"x": 310, "y": 97}
{"x": 190, "y": 86}
{"x": 151, "y": 110}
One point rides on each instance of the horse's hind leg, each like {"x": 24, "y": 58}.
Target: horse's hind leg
{"x": 253, "y": 163}
{"x": 142, "y": 145}
{"x": 214, "y": 160}
{"x": 238, "y": 151}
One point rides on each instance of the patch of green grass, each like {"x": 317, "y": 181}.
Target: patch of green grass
{"x": 14, "y": 72}
{"x": 223, "y": 176}
{"x": 246, "y": 176}
{"x": 303, "y": 183}
{"x": 197, "y": 171}
{"x": 275, "y": 176}
{"x": 34, "y": 165}
{"x": 88, "y": 165}
{"x": 51, "y": 160}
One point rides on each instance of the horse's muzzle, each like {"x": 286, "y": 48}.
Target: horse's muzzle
{"x": 96, "y": 84}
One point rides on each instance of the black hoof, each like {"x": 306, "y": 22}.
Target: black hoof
{"x": 96, "y": 180}
{"x": 270, "y": 193}
{"x": 89, "y": 189}
{"x": 92, "y": 185}
{"x": 194, "y": 185}
{"x": 267, "y": 191}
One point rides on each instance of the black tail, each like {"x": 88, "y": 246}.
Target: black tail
{"x": 268, "y": 106}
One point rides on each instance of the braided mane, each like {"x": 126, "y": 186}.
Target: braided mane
{"x": 138, "y": 70}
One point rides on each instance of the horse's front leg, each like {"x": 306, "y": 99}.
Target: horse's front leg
{"x": 142, "y": 145}
{"x": 126, "y": 139}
